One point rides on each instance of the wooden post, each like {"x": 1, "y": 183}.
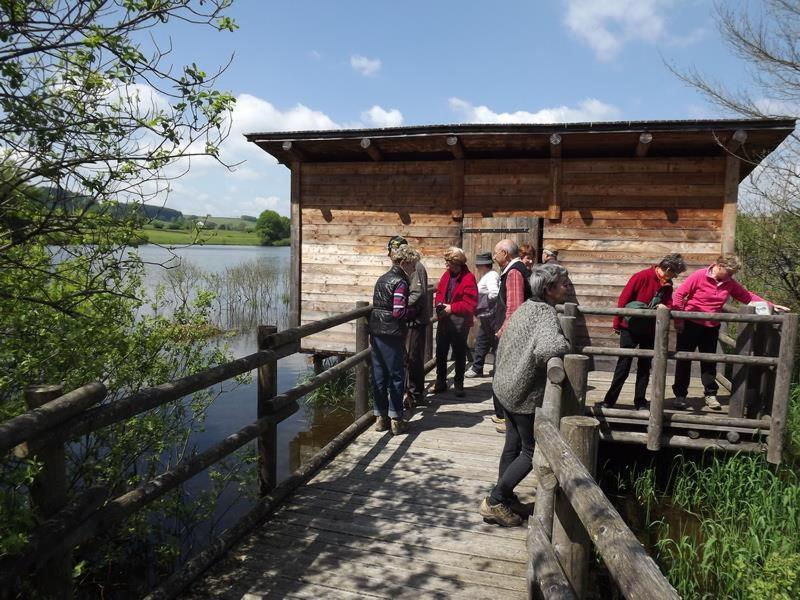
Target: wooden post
{"x": 319, "y": 367}
{"x": 546, "y": 578}
{"x": 429, "y": 329}
{"x": 296, "y": 235}
{"x": 546, "y": 481}
{"x": 568, "y": 327}
{"x": 740, "y": 373}
{"x": 659, "y": 381}
{"x": 268, "y": 440}
{"x": 571, "y": 310}
{"x": 49, "y": 495}
{"x": 570, "y": 540}
{"x": 576, "y": 367}
{"x": 767, "y": 388}
{"x": 783, "y": 381}
{"x": 362, "y": 370}
{"x": 731, "y": 199}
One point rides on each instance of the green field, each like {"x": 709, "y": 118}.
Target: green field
{"x": 182, "y": 237}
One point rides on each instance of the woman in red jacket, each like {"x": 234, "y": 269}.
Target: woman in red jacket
{"x": 456, "y": 299}
{"x": 652, "y": 285}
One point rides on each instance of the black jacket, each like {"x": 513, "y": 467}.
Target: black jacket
{"x": 500, "y": 305}
{"x": 381, "y": 321}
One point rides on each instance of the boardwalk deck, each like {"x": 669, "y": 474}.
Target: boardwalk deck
{"x": 395, "y": 517}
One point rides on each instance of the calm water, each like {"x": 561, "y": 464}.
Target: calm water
{"x": 307, "y": 430}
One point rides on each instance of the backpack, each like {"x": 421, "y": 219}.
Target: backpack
{"x": 643, "y": 325}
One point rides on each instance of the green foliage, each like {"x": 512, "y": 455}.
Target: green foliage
{"x": 158, "y": 224}
{"x": 272, "y": 227}
{"x": 284, "y": 242}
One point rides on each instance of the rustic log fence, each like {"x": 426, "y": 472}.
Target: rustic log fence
{"x": 762, "y": 359}
{"x": 572, "y": 513}
{"x": 55, "y": 419}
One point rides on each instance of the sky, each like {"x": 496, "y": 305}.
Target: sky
{"x": 325, "y": 65}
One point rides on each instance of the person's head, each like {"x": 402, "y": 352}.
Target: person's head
{"x": 455, "y": 259}
{"x": 505, "y": 251}
{"x": 549, "y": 283}
{"x": 483, "y": 262}
{"x": 394, "y": 243}
{"x": 726, "y": 266}
{"x": 527, "y": 255}
{"x": 406, "y": 257}
{"x": 549, "y": 253}
{"x": 671, "y": 266}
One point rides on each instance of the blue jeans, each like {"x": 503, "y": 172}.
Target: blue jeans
{"x": 388, "y": 375}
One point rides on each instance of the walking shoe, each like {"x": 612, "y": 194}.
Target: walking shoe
{"x": 497, "y": 420}
{"x": 500, "y": 427}
{"x": 399, "y": 426}
{"x": 713, "y": 403}
{"x": 604, "y": 404}
{"x": 639, "y": 404}
{"x": 381, "y": 423}
{"x": 680, "y": 403}
{"x": 408, "y": 402}
{"x": 473, "y": 373}
{"x": 439, "y": 387}
{"x": 498, "y": 513}
{"x": 517, "y": 506}
{"x": 459, "y": 390}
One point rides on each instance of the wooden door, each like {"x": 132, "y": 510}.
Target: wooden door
{"x": 480, "y": 234}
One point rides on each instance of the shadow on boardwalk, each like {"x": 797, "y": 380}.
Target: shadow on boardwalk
{"x": 390, "y": 517}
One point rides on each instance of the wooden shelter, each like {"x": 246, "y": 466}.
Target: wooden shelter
{"x": 613, "y": 197}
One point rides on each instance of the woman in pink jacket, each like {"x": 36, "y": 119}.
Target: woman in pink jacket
{"x": 705, "y": 290}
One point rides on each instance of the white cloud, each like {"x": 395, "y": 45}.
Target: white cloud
{"x": 380, "y": 117}
{"x": 608, "y": 24}
{"x": 314, "y": 55}
{"x": 365, "y": 66}
{"x": 590, "y": 109}
{"x": 270, "y": 202}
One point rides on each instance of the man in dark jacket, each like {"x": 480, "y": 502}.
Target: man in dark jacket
{"x": 649, "y": 286}
{"x": 387, "y": 328}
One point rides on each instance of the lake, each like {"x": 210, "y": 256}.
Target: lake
{"x": 243, "y": 276}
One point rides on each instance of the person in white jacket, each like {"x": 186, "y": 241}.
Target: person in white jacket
{"x": 488, "y": 290}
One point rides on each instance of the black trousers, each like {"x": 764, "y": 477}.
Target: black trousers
{"x": 448, "y": 336}
{"x": 516, "y": 461}
{"x": 415, "y": 361}
{"x": 631, "y": 340}
{"x": 696, "y": 337}
{"x": 485, "y": 342}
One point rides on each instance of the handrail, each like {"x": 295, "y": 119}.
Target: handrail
{"x": 675, "y": 314}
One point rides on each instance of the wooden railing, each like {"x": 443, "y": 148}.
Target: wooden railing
{"x": 55, "y": 419}
{"x": 571, "y": 512}
{"x": 762, "y": 360}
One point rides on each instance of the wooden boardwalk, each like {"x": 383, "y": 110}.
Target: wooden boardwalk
{"x": 395, "y": 517}
{"x": 390, "y": 517}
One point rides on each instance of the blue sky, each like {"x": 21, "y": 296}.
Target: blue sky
{"x": 323, "y": 64}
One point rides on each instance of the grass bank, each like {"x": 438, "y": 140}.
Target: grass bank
{"x": 182, "y": 237}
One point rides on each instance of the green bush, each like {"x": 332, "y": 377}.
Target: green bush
{"x": 175, "y": 225}
{"x": 283, "y": 242}
{"x": 157, "y": 224}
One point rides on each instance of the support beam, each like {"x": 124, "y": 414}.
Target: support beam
{"x": 294, "y": 151}
{"x": 296, "y": 242}
{"x": 457, "y": 190}
{"x": 554, "y": 208}
{"x": 455, "y": 147}
{"x": 644, "y": 144}
{"x": 372, "y": 149}
{"x": 736, "y": 141}
{"x": 731, "y": 199}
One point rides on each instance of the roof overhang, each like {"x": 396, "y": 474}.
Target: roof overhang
{"x": 751, "y": 139}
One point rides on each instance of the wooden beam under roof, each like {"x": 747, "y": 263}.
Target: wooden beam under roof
{"x": 555, "y": 145}
{"x": 735, "y": 142}
{"x": 554, "y": 208}
{"x": 455, "y": 147}
{"x": 372, "y": 149}
{"x": 645, "y": 139}
{"x": 293, "y": 150}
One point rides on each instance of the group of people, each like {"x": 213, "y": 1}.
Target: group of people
{"x": 516, "y": 309}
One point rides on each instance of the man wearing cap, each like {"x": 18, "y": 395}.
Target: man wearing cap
{"x": 417, "y": 328}
{"x": 488, "y": 290}
{"x": 550, "y": 254}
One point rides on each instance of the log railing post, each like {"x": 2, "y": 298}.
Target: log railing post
{"x": 659, "y": 381}
{"x": 783, "y": 381}
{"x": 546, "y": 481}
{"x": 268, "y": 440}
{"x": 49, "y": 495}
{"x": 740, "y": 373}
{"x": 362, "y": 370}
{"x": 576, "y": 367}
{"x": 429, "y": 328}
{"x": 570, "y": 540}
{"x": 570, "y": 326}
{"x": 766, "y": 390}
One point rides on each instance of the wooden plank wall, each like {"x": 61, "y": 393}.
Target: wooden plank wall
{"x": 349, "y": 211}
{"x": 617, "y": 216}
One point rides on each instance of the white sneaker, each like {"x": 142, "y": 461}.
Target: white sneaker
{"x": 473, "y": 373}
{"x": 680, "y": 403}
{"x": 713, "y": 403}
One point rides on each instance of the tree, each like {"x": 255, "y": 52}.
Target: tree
{"x": 87, "y": 105}
{"x": 765, "y": 38}
{"x": 272, "y": 227}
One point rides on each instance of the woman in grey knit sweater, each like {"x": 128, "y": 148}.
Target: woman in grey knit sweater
{"x": 533, "y": 336}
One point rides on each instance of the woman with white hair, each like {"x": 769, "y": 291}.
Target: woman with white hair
{"x": 456, "y": 299}
{"x": 532, "y": 337}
